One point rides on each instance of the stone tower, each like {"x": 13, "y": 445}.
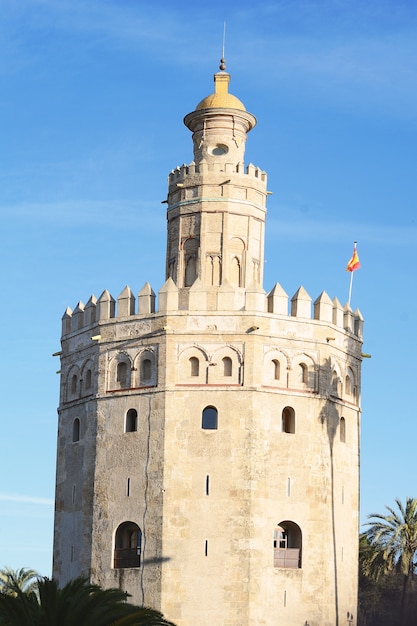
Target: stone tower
{"x": 208, "y": 448}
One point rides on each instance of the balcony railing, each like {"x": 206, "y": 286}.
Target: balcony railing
{"x": 287, "y": 557}
{"x": 126, "y": 557}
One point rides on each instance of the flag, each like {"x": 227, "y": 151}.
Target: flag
{"x": 354, "y": 263}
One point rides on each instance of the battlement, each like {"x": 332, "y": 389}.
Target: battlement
{"x": 252, "y": 300}
{"x": 184, "y": 172}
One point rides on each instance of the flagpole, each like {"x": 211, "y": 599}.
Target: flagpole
{"x": 351, "y": 276}
{"x": 350, "y": 288}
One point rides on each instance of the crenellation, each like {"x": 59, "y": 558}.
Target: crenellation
{"x": 358, "y": 326}
{"x": 168, "y": 297}
{"x": 90, "y": 311}
{"x": 106, "y": 306}
{"x": 348, "y": 319}
{"x": 188, "y": 174}
{"x": 197, "y": 297}
{"x": 126, "y": 303}
{"x": 301, "y": 304}
{"x": 255, "y": 299}
{"x": 77, "y": 321}
{"x": 338, "y": 313}
{"x": 66, "y": 321}
{"x": 146, "y": 300}
{"x": 278, "y": 300}
{"x": 323, "y": 308}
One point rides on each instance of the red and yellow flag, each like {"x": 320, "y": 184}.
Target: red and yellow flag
{"x": 354, "y": 263}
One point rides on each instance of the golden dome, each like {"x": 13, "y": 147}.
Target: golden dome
{"x": 221, "y": 98}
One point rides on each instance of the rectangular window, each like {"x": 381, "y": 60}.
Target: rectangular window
{"x": 207, "y": 485}
{"x": 128, "y": 487}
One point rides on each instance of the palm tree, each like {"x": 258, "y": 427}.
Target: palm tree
{"x": 393, "y": 545}
{"x": 78, "y": 603}
{"x": 12, "y": 581}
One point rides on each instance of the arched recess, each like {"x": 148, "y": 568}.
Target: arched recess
{"x": 127, "y": 546}
{"x": 336, "y": 384}
{"x": 227, "y": 365}
{"x": 87, "y": 378}
{"x": 131, "y": 421}
{"x": 236, "y": 250}
{"x": 213, "y": 270}
{"x": 275, "y": 368}
{"x": 350, "y": 387}
{"x": 287, "y": 545}
{"x": 288, "y": 420}
{"x": 192, "y": 366}
{"x": 209, "y": 418}
{"x": 302, "y": 372}
{"x": 76, "y": 430}
{"x": 73, "y": 383}
{"x": 147, "y": 369}
{"x": 342, "y": 430}
{"x": 190, "y": 251}
{"x": 120, "y": 371}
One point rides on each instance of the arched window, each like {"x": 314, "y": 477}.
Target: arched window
{"x": 342, "y": 427}
{"x": 302, "y": 373}
{"x": 213, "y": 267}
{"x": 287, "y": 545}
{"x": 146, "y": 369}
{"x": 131, "y": 421}
{"x": 227, "y": 366}
{"x": 209, "y": 418}
{"x": 74, "y": 383}
{"x": 194, "y": 366}
{"x": 88, "y": 379}
{"x": 127, "y": 545}
{"x": 122, "y": 374}
{"x": 288, "y": 420}
{"x": 235, "y": 277}
{"x": 275, "y": 369}
{"x": 190, "y": 260}
{"x": 76, "y": 430}
{"x": 335, "y": 385}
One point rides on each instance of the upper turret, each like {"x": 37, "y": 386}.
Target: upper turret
{"x": 220, "y": 124}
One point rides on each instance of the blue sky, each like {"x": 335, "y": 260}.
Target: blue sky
{"x": 93, "y": 94}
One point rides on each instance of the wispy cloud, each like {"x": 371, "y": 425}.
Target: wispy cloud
{"x": 324, "y": 230}
{"x": 117, "y": 214}
{"x": 25, "y": 499}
